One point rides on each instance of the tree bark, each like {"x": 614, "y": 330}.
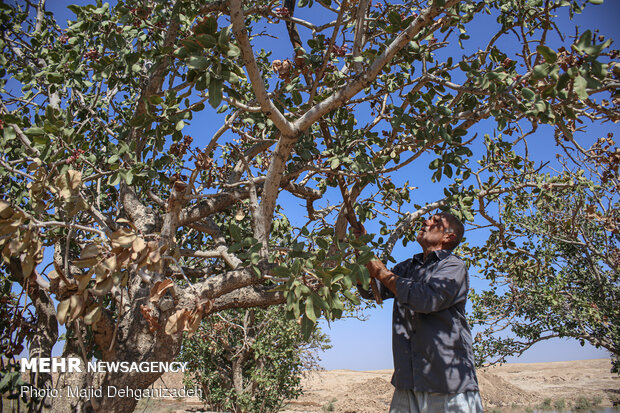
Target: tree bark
{"x": 134, "y": 343}
{"x": 45, "y": 336}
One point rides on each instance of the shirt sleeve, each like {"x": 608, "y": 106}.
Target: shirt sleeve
{"x": 446, "y": 287}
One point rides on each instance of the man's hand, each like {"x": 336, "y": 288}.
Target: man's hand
{"x": 375, "y": 267}
{"x": 378, "y": 270}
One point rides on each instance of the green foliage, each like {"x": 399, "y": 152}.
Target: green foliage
{"x": 11, "y": 383}
{"x": 555, "y": 273}
{"x": 250, "y": 360}
{"x": 165, "y": 147}
{"x": 586, "y": 404}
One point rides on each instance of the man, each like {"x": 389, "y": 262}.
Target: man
{"x": 431, "y": 341}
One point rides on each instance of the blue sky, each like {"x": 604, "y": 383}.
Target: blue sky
{"x": 366, "y": 345}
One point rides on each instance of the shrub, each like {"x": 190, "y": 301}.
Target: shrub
{"x": 583, "y": 403}
{"x": 250, "y": 360}
{"x": 559, "y": 404}
{"x": 546, "y": 404}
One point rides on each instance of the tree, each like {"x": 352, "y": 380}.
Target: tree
{"x": 250, "y": 360}
{"x": 151, "y": 229}
{"x": 556, "y": 272}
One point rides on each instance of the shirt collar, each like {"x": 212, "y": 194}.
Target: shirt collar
{"x": 437, "y": 255}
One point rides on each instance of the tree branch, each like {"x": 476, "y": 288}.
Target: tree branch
{"x": 258, "y": 85}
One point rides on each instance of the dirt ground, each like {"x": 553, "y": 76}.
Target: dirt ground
{"x": 509, "y": 385}
{"x": 502, "y": 388}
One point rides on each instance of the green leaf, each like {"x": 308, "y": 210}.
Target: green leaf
{"x": 580, "y": 87}
{"x": 206, "y": 41}
{"x": 307, "y": 327}
{"x": 128, "y": 176}
{"x": 310, "y": 310}
{"x": 365, "y": 257}
{"x": 40, "y": 140}
{"x": 540, "y": 106}
{"x": 102, "y": 9}
{"x": 9, "y": 381}
{"x": 585, "y": 40}
{"x": 322, "y": 243}
{"x": 541, "y": 71}
{"x": 230, "y": 76}
{"x": 233, "y": 51}
{"x": 547, "y": 53}
{"x": 207, "y": 26}
{"x": 528, "y": 94}
{"x": 156, "y": 100}
{"x": 351, "y": 297}
{"x": 55, "y": 77}
{"x": 394, "y": 18}
{"x": 114, "y": 179}
{"x": 235, "y": 232}
{"x": 599, "y": 69}
{"x": 281, "y": 271}
{"x": 35, "y": 131}
{"x": 365, "y": 277}
{"x": 75, "y": 8}
{"x": 215, "y": 93}
{"x": 198, "y": 63}
{"x": 9, "y": 134}
{"x": 224, "y": 37}
{"x": 319, "y": 302}
{"x": 563, "y": 81}
{"x": 297, "y": 99}
{"x": 179, "y": 126}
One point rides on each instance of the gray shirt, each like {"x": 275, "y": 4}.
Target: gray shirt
{"x": 431, "y": 340}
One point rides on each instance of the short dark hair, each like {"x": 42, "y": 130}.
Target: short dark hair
{"x": 456, "y": 227}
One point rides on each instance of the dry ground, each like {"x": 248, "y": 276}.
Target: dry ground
{"x": 501, "y": 386}
{"x": 518, "y": 384}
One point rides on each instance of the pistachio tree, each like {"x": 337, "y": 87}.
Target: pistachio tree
{"x": 250, "y": 360}
{"x": 164, "y": 161}
{"x": 553, "y": 261}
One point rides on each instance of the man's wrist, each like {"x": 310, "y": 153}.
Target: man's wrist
{"x": 380, "y": 273}
{"x": 387, "y": 278}
{"x": 384, "y": 274}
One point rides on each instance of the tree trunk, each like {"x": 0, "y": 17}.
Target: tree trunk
{"x": 133, "y": 343}
{"x": 45, "y": 336}
{"x": 75, "y": 380}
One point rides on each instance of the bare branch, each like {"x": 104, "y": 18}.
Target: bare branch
{"x": 241, "y": 33}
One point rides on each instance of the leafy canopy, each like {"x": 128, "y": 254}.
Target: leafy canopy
{"x": 155, "y": 221}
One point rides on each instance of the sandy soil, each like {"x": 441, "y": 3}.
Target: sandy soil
{"x": 500, "y": 386}
{"x": 509, "y": 385}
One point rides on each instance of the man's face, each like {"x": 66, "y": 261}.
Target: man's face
{"x": 433, "y": 232}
